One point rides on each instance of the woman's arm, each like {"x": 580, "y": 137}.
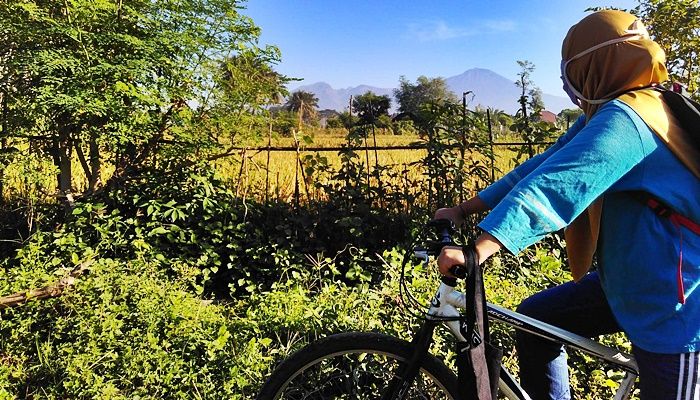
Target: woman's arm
{"x": 492, "y": 195}
{"x": 560, "y": 188}
{"x": 458, "y": 213}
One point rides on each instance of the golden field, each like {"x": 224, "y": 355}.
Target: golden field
{"x": 251, "y": 170}
{"x": 279, "y": 168}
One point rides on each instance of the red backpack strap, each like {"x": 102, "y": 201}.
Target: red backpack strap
{"x": 662, "y": 210}
{"x": 678, "y": 220}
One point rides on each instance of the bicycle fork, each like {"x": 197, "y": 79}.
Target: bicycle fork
{"x": 441, "y": 305}
{"x": 408, "y": 371}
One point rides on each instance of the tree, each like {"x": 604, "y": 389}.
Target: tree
{"x": 413, "y": 97}
{"x": 245, "y": 85}
{"x": 501, "y": 120}
{"x": 568, "y": 116}
{"x": 675, "y": 26}
{"x": 117, "y": 78}
{"x": 369, "y": 107}
{"x": 530, "y": 95}
{"x": 305, "y": 104}
{"x": 348, "y": 120}
{"x": 527, "y": 122}
{"x": 248, "y": 80}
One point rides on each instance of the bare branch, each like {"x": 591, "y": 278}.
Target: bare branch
{"x": 55, "y": 290}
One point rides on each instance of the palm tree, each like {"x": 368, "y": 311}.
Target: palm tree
{"x": 501, "y": 119}
{"x": 249, "y": 83}
{"x": 304, "y": 103}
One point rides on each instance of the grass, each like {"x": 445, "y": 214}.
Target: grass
{"x": 277, "y": 170}
{"x": 34, "y": 177}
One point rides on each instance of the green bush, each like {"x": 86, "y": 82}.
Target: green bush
{"x": 192, "y": 225}
{"x": 195, "y": 294}
{"x": 131, "y": 330}
{"x": 404, "y": 127}
{"x": 124, "y": 331}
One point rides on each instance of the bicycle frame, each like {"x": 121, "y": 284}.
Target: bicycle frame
{"x": 447, "y": 302}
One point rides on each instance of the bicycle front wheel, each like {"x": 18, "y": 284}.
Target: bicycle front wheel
{"x": 354, "y": 366}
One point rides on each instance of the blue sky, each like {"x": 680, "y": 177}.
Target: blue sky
{"x": 373, "y": 42}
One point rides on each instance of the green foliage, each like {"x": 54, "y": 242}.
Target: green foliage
{"x": 125, "y": 331}
{"x": 284, "y": 122}
{"x": 449, "y": 131}
{"x": 404, "y": 127}
{"x": 136, "y": 325}
{"x": 345, "y": 120}
{"x": 122, "y": 78}
{"x": 369, "y": 107}
{"x": 304, "y": 104}
{"x": 348, "y": 120}
{"x": 129, "y": 329}
{"x": 527, "y": 122}
{"x": 191, "y": 224}
{"x": 247, "y": 80}
{"x": 675, "y": 25}
{"x": 414, "y": 97}
{"x": 568, "y": 116}
{"x": 530, "y": 96}
{"x": 243, "y": 87}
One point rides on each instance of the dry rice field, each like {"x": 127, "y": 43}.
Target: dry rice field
{"x": 276, "y": 170}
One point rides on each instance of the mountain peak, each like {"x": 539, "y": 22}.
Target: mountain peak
{"x": 489, "y": 89}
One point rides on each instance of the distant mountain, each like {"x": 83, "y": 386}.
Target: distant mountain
{"x": 339, "y": 99}
{"x": 556, "y": 103}
{"x": 489, "y": 89}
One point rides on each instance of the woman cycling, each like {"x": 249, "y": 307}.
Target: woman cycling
{"x": 648, "y": 265}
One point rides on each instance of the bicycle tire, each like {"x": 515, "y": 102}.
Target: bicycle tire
{"x": 364, "y": 354}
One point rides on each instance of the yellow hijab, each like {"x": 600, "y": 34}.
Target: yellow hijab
{"x": 606, "y": 55}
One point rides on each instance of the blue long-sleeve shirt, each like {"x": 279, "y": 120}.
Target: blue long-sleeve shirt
{"x": 611, "y": 155}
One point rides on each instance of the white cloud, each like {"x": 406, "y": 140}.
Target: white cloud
{"x": 499, "y": 25}
{"x": 439, "y": 30}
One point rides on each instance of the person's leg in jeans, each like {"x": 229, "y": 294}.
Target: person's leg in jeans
{"x": 580, "y": 308}
{"x": 668, "y": 376}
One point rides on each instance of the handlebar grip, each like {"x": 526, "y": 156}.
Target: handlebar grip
{"x": 459, "y": 271}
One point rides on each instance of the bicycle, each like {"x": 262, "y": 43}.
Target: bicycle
{"x": 365, "y": 365}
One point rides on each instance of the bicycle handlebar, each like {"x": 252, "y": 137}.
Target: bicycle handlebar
{"x": 444, "y": 228}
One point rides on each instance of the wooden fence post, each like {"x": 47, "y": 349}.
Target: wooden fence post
{"x": 380, "y": 187}
{"x": 369, "y": 184}
{"x": 244, "y": 157}
{"x": 492, "y": 156}
{"x": 267, "y": 164}
{"x": 277, "y": 187}
{"x": 407, "y": 193}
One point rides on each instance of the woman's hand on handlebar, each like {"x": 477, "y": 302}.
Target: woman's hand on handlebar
{"x": 454, "y": 214}
{"x": 457, "y": 213}
{"x": 484, "y": 247}
{"x": 449, "y": 257}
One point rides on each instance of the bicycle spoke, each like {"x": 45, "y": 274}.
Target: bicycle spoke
{"x": 355, "y": 376}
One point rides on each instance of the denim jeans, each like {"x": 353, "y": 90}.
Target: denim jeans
{"x": 580, "y": 308}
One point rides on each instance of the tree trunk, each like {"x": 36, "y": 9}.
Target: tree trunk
{"x": 95, "y": 164}
{"x": 65, "y": 173}
{"x": 3, "y": 145}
